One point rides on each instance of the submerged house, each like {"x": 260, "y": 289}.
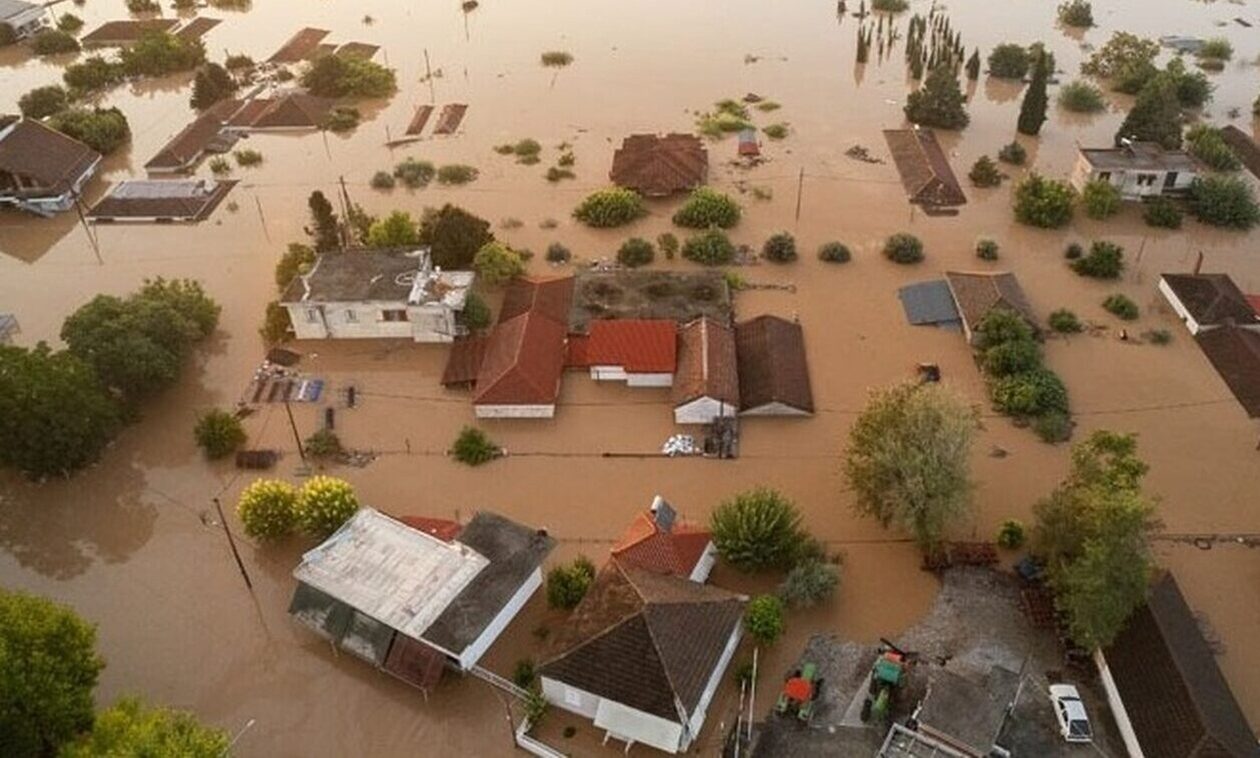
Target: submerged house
{"x": 1234, "y": 352}
{"x": 659, "y": 541}
{"x": 189, "y": 145}
{"x": 42, "y": 171}
{"x": 414, "y": 601}
{"x": 643, "y": 654}
{"x": 522, "y": 359}
{"x": 706, "y": 385}
{"x": 1208, "y": 301}
{"x": 924, "y": 168}
{"x": 639, "y": 352}
{"x": 1165, "y": 690}
{"x": 976, "y": 294}
{"x": 773, "y": 372}
{"x": 290, "y": 111}
{"x": 161, "y": 201}
{"x": 658, "y": 166}
{"x": 370, "y": 294}
{"x": 23, "y": 19}
{"x": 1137, "y": 169}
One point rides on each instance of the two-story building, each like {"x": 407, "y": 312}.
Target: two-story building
{"x": 42, "y": 171}
{"x": 1137, "y": 169}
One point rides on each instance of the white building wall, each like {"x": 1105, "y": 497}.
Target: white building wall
{"x": 774, "y": 409}
{"x": 429, "y": 323}
{"x": 697, "y": 717}
{"x": 608, "y": 373}
{"x": 1178, "y": 308}
{"x": 703, "y": 410}
{"x": 26, "y": 22}
{"x": 515, "y": 411}
{"x": 650, "y": 380}
{"x": 1121, "y": 716}
{"x": 569, "y": 698}
{"x": 478, "y": 648}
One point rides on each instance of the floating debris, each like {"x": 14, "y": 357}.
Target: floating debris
{"x": 860, "y": 153}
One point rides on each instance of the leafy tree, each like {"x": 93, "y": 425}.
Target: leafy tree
{"x": 296, "y": 259}
{"x": 497, "y": 263}
{"x": 42, "y": 102}
{"x": 474, "y": 447}
{"x": 1225, "y": 201}
{"x": 1155, "y": 117}
{"x": 268, "y": 509}
{"x": 907, "y": 461}
{"x": 212, "y": 84}
{"x": 757, "y": 529}
{"x": 1032, "y": 111}
{"x": 1100, "y": 198}
{"x": 1029, "y": 394}
{"x": 705, "y": 208}
{"x": 635, "y": 252}
{"x": 1193, "y": 88}
{"x": 129, "y": 728}
{"x": 68, "y": 22}
{"x": 276, "y": 324}
{"x": 349, "y": 76}
{"x": 567, "y": 584}
{"x": 809, "y": 583}
{"x": 219, "y": 433}
{"x": 48, "y": 668}
{"x": 711, "y": 248}
{"x": 324, "y": 230}
{"x": 102, "y": 129}
{"x": 1163, "y": 213}
{"x": 1092, "y": 533}
{"x": 780, "y": 248}
{"x": 1013, "y": 153}
{"x": 1081, "y": 97}
{"x": 160, "y": 53}
{"x": 324, "y": 504}
{"x": 476, "y": 314}
{"x": 1105, "y": 261}
{"x": 395, "y": 230}
{"x": 454, "y": 236}
{"x": 1012, "y": 357}
{"x": 92, "y": 74}
{"x": 1009, "y": 61}
{"x": 939, "y": 102}
{"x": 610, "y": 207}
{"x": 1077, "y": 13}
{"x": 456, "y": 173}
{"x": 1065, "y": 321}
{"x": 999, "y": 327}
{"x": 54, "y": 42}
{"x": 1123, "y": 52}
{"x": 903, "y": 248}
{"x": 1207, "y": 144}
{"x": 984, "y": 173}
{"x": 763, "y": 619}
{"x": 1044, "y": 203}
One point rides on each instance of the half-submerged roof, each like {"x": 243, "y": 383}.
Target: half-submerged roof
{"x": 645, "y": 640}
{"x": 293, "y": 110}
{"x": 655, "y": 166}
{"x": 977, "y": 293}
{"x": 772, "y": 365}
{"x": 658, "y": 541}
{"x": 1212, "y": 299}
{"x": 127, "y": 31}
{"x": 31, "y": 149}
{"x": 1175, "y": 696}
{"x": 1139, "y": 156}
{"x": 173, "y": 199}
{"x": 707, "y": 365}
{"x": 385, "y": 276}
{"x": 191, "y": 142}
{"x": 924, "y": 168}
{"x": 1235, "y": 354}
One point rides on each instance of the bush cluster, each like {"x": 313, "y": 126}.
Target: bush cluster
{"x": 984, "y": 173}
{"x": 711, "y": 248}
{"x": 1105, "y": 261}
{"x": 474, "y": 447}
{"x": 706, "y": 207}
{"x": 219, "y": 433}
{"x": 1121, "y": 307}
{"x": 779, "y": 248}
{"x": 834, "y": 252}
{"x": 1044, "y": 203}
{"x": 635, "y": 252}
{"x": 611, "y": 207}
{"x": 1020, "y": 385}
{"x": 567, "y": 584}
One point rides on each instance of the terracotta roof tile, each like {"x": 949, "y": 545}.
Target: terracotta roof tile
{"x": 523, "y": 362}
{"x": 772, "y": 365}
{"x": 645, "y": 546}
{"x": 653, "y": 165}
{"x": 641, "y": 346}
{"x": 707, "y": 364}
{"x": 551, "y": 297}
{"x": 978, "y": 292}
{"x": 443, "y": 529}
{"x": 925, "y": 171}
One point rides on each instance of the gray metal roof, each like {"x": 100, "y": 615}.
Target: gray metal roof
{"x": 929, "y": 303}
{"x": 11, "y": 8}
{"x": 1139, "y": 156}
{"x": 967, "y": 712}
{"x": 391, "y": 276}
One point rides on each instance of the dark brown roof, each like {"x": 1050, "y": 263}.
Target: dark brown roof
{"x": 296, "y": 110}
{"x": 450, "y": 118}
{"x": 925, "y": 171}
{"x": 127, "y": 31}
{"x": 186, "y": 147}
{"x": 550, "y": 297}
{"x": 48, "y": 157}
{"x": 772, "y": 365}
{"x": 299, "y": 46}
{"x": 464, "y": 361}
{"x": 190, "y": 200}
{"x": 707, "y": 364}
{"x": 655, "y": 166}
{"x": 1211, "y": 299}
{"x": 360, "y": 49}
{"x": 1235, "y": 354}
{"x": 1173, "y": 692}
{"x": 197, "y": 28}
{"x": 649, "y": 641}
{"x": 977, "y": 293}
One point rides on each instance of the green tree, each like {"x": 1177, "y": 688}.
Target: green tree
{"x": 611, "y": 207}
{"x": 324, "y": 504}
{"x": 395, "y": 230}
{"x": 295, "y": 261}
{"x": 161, "y": 53}
{"x": 454, "y": 236}
{"x": 1105, "y": 261}
{"x": 711, "y": 248}
{"x": 706, "y": 207}
{"x": 131, "y": 729}
{"x": 1225, "y": 201}
{"x": 984, "y": 172}
{"x": 779, "y": 248}
{"x": 973, "y": 65}
{"x": 43, "y": 102}
{"x": 1101, "y": 199}
{"x": 268, "y": 509}
{"x": 1009, "y": 61}
{"x": 1155, "y": 116}
{"x": 1042, "y": 202}
{"x": 54, "y": 42}
{"x": 349, "y": 76}
{"x": 757, "y": 529}
{"x": 474, "y": 447}
{"x": 92, "y": 74}
{"x": 55, "y": 417}
{"x": 764, "y": 619}
{"x": 1081, "y": 96}
{"x": 567, "y": 584}
{"x": 1078, "y": 13}
{"x": 907, "y": 461}
{"x": 476, "y": 314}
{"x": 212, "y": 84}
{"x": 102, "y": 129}
{"x": 809, "y": 583}
{"x": 1207, "y": 144}
{"x": 497, "y": 263}
{"x": 324, "y": 230}
{"x": 1123, "y": 52}
{"x": 219, "y": 433}
{"x": 1032, "y": 111}
{"x": 939, "y": 102}
{"x": 635, "y": 252}
{"x": 48, "y": 668}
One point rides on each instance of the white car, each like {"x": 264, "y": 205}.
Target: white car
{"x": 1070, "y": 711}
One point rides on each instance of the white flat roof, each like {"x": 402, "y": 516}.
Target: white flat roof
{"x": 399, "y": 576}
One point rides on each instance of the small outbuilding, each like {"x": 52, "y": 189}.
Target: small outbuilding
{"x": 978, "y": 293}
{"x": 42, "y": 171}
{"x": 639, "y": 352}
{"x": 773, "y": 372}
{"x": 1207, "y": 301}
{"x": 22, "y": 18}
{"x": 924, "y": 168}
{"x": 163, "y": 201}
{"x": 658, "y": 540}
{"x": 656, "y": 166}
{"x": 1137, "y": 169}
{"x": 706, "y": 385}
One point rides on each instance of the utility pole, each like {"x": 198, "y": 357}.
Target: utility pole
{"x": 288, "y": 409}
{"x": 96, "y": 247}
{"x": 262, "y": 218}
{"x": 800, "y": 187}
{"x": 232, "y": 544}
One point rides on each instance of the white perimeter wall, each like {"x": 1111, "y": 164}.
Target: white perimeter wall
{"x": 1118, "y": 712}
{"x": 478, "y": 648}
{"x": 633, "y": 725}
{"x": 1180, "y": 309}
{"x": 515, "y": 411}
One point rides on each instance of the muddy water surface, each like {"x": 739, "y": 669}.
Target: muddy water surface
{"x": 133, "y": 543}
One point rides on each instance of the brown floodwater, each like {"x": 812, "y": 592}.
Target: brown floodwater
{"x": 132, "y": 543}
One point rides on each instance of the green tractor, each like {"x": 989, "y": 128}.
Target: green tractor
{"x": 887, "y": 676}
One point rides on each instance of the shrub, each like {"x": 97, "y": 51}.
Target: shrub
{"x": 635, "y": 252}
{"x": 555, "y": 174}
{"x": 1120, "y": 306}
{"x": 1209, "y": 147}
{"x": 497, "y": 263}
{"x": 706, "y": 207}
{"x": 567, "y": 584}
{"x": 1215, "y": 48}
{"x": 526, "y": 151}
{"x": 1073, "y": 251}
{"x": 984, "y": 173}
{"x": 557, "y": 253}
{"x": 834, "y": 252}
{"x": 1064, "y": 321}
{"x": 1105, "y": 261}
{"x": 764, "y": 619}
{"x": 1053, "y": 426}
{"x": 987, "y": 250}
{"x": 524, "y": 673}
{"x": 268, "y": 509}
{"x": 711, "y": 248}
{"x": 1078, "y": 13}
{"x": 42, "y": 102}
{"x": 1000, "y": 326}
{"x": 348, "y": 76}
{"x": 474, "y": 447}
{"x": 102, "y": 129}
{"x": 1013, "y": 153}
{"x": 668, "y": 244}
{"x": 611, "y": 207}
{"x": 238, "y": 62}
{"x": 1100, "y": 199}
{"x": 1009, "y": 61}
{"x": 1044, "y": 203}
{"x": 556, "y": 59}
{"x": 1122, "y": 53}
{"x": 903, "y": 248}
{"x": 69, "y": 23}
{"x": 220, "y": 165}
{"x": 324, "y": 443}
{"x": 1159, "y": 336}
{"x": 54, "y": 42}
{"x": 454, "y": 236}
{"x": 727, "y": 116}
{"x": 275, "y": 328}
{"x": 1012, "y": 357}
{"x": 219, "y": 433}
{"x": 1162, "y": 213}
{"x": 414, "y": 173}
{"x": 775, "y": 131}
{"x": 1081, "y": 97}
{"x": 1032, "y": 393}
{"x": 324, "y": 504}
{"x": 1011, "y": 534}
{"x": 939, "y": 102}
{"x": 1225, "y": 201}
{"x": 476, "y": 314}
{"x": 757, "y": 529}
{"x": 456, "y": 173}
{"x": 809, "y": 583}
{"x": 395, "y": 230}
{"x": 342, "y": 118}
{"x": 382, "y": 180}
{"x": 536, "y": 704}
{"x": 779, "y": 248}
{"x": 247, "y": 157}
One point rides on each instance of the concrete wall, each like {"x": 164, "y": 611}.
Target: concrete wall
{"x": 774, "y": 409}
{"x": 636, "y": 726}
{"x": 619, "y": 374}
{"x": 367, "y": 321}
{"x": 1118, "y": 712}
{"x": 478, "y": 648}
{"x": 569, "y": 698}
{"x": 696, "y": 723}
{"x": 514, "y": 411}
{"x": 703, "y": 410}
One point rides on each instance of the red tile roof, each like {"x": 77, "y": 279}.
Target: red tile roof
{"x": 549, "y": 297}
{"x": 653, "y": 165}
{"x": 523, "y": 362}
{"x": 444, "y": 529}
{"x": 640, "y": 346}
{"x": 646, "y": 546}
{"x": 706, "y": 363}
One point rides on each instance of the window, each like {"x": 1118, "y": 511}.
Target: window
{"x": 572, "y": 696}
{"x": 312, "y": 315}
{"x": 1170, "y": 180}
{"x": 394, "y": 315}
{"x": 352, "y": 317}
{"x": 1104, "y": 176}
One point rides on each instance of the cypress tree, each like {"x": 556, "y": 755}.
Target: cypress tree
{"x": 324, "y": 229}
{"x": 1032, "y": 112}
{"x": 973, "y": 66}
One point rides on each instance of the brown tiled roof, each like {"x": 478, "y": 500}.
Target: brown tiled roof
{"x": 299, "y": 46}
{"x": 450, "y": 117}
{"x": 641, "y": 346}
{"x": 50, "y": 158}
{"x": 550, "y": 297}
{"x": 360, "y": 49}
{"x": 1235, "y": 354}
{"x": 772, "y": 366}
{"x": 127, "y": 31}
{"x": 464, "y": 361}
{"x": 1212, "y": 298}
{"x": 976, "y": 293}
{"x": 648, "y": 641}
{"x": 707, "y": 364}
{"x": 191, "y": 142}
{"x": 523, "y": 362}
{"x": 925, "y": 171}
{"x": 647, "y": 546}
{"x": 1176, "y": 698}
{"x": 197, "y": 28}
{"x": 296, "y": 110}
{"x": 654, "y": 166}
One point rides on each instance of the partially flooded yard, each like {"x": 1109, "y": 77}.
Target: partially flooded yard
{"x": 134, "y": 544}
